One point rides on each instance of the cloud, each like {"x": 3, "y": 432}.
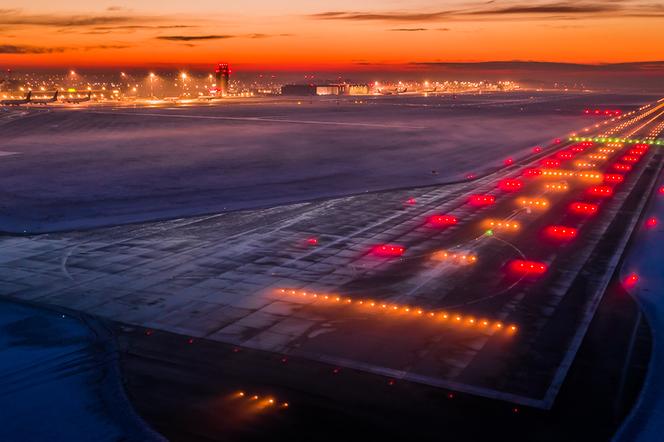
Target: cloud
{"x": 194, "y": 37}
{"x": 16, "y": 17}
{"x": 217, "y": 37}
{"x": 493, "y": 10}
{"x": 91, "y": 48}
{"x": 140, "y": 27}
{"x": 516, "y": 65}
{"x": 554, "y": 8}
{"x": 22, "y": 49}
{"x": 26, "y": 49}
{"x": 381, "y": 16}
{"x": 407, "y": 29}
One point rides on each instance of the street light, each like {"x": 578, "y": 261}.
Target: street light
{"x": 152, "y": 75}
{"x": 183, "y": 76}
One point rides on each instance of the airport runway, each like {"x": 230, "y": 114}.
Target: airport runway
{"x": 441, "y": 304}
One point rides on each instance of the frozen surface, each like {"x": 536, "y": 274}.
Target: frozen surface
{"x": 646, "y": 258}
{"x": 93, "y": 166}
{"x": 56, "y": 381}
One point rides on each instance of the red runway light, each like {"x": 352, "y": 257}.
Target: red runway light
{"x": 631, "y": 280}
{"x": 389, "y": 250}
{"x": 629, "y": 158}
{"x": 510, "y": 185}
{"x": 550, "y": 162}
{"x": 560, "y": 233}
{"x": 508, "y": 162}
{"x": 578, "y": 148}
{"x": 482, "y": 200}
{"x": 622, "y": 167}
{"x": 537, "y": 149}
{"x": 525, "y": 267}
{"x": 565, "y": 155}
{"x": 411, "y": 201}
{"x": 637, "y": 151}
{"x": 586, "y": 111}
{"x": 661, "y": 190}
{"x": 443, "y": 220}
{"x": 557, "y": 141}
{"x": 613, "y": 178}
{"x": 471, "y": 176}
{"x": 532, "y": 172}
{"x": 312, "y": 241}
{"x": 601, "y": 191}
{"x": 651, "y": 222}
{"x": 585, "y": 209}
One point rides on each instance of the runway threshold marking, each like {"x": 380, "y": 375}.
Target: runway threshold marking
{"x": 265, "y": 120}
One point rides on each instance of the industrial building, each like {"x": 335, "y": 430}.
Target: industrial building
{"x": 325, "y": 89}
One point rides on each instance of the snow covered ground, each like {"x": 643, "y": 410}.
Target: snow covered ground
{"x": 58, "y": 381}
{"x": 93, "y": 166}
{"x": 646, "y": 259}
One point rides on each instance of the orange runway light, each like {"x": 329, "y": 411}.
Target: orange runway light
{"x": 613, "y": 178}
{"x": 510, "y": 185}
{"x": 481, "y": 200}
{"x": 560, "y": 233}
{"x": 442, "y": 220}
{"x": 461, "y": 258}
{"x": 523, "y": 267}
{"x": 597, "y": 157}
{"x": 584, "y": 209}
{"x": 590, "y": 175}
{"x": 532, "y": 172}
{"x": 534, "y": 203}
{"x": 501, "y": 225}
{"x": 389, "y": 250}
{"x": 400, "y": 310}
{"x": 600, "y": 191}
{"x": 606, "y": 150}
{"x": 585, "y": 164}
{"x": 557, "y": 187}
{"x": 557, "y": 173}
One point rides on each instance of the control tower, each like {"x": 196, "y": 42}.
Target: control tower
{"x": 221, "y": 74}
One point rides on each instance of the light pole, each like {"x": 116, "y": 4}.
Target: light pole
{"x": 151, "y": 84}
{"x": 183, "y": 76}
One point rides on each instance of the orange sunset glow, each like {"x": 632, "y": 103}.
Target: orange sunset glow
{"x": 299, "y": 34}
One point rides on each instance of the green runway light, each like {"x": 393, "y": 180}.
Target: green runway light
{"x": 488, "y": 233}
